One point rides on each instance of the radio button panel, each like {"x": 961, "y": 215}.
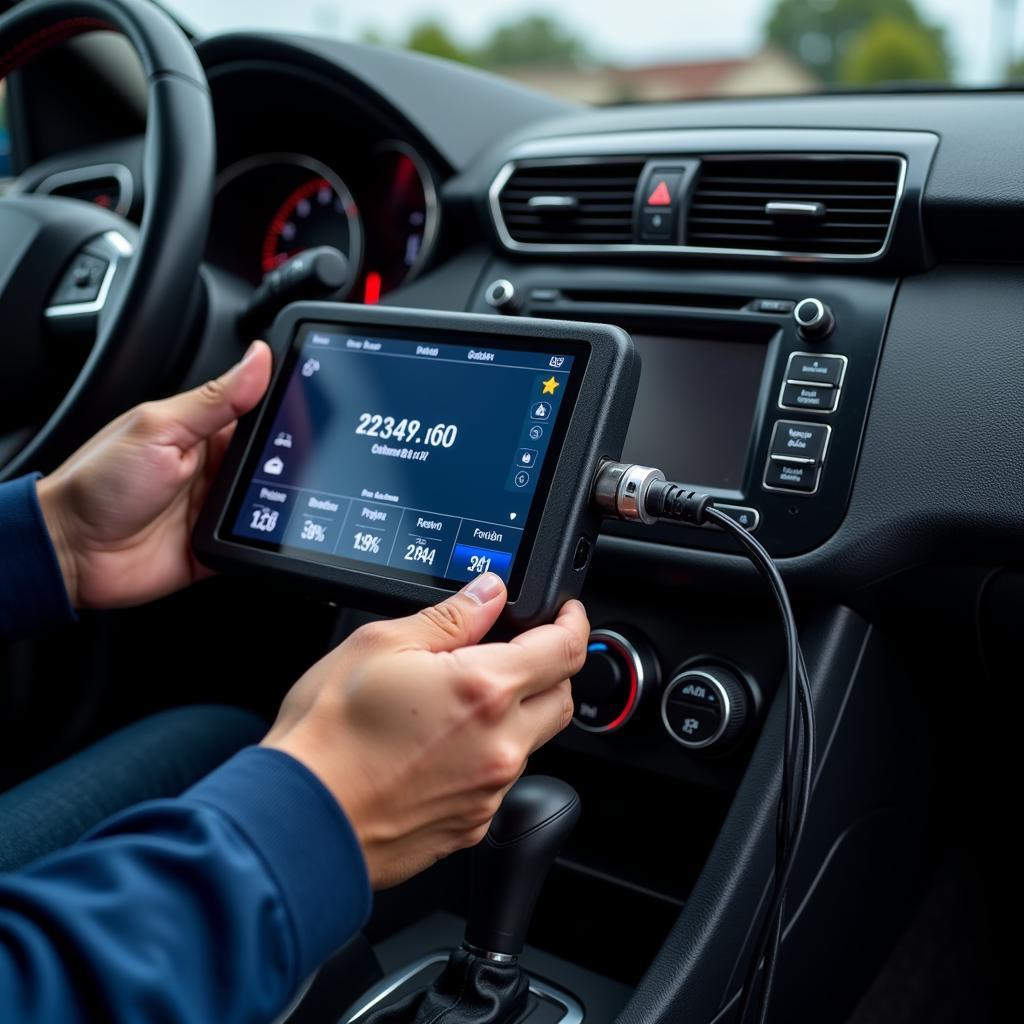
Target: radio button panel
{"x": 789, "y": 476}
{"x": 812, "y": 397}
{"x": 808, "y": 368}
{"x": 795, "y": 456}
{"x": 796, "y": 510}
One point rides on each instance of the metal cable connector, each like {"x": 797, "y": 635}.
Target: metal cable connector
{"x": 621, "y": 490}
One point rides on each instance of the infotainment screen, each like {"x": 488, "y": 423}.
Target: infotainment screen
{"x": 695, "y": 408}
{"x": 417, "y": 455}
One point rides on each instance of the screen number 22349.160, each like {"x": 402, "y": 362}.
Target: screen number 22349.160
{"x": 387, "y": 428}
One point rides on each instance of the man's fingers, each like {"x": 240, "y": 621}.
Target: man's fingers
{"x": 460, "y": 621}
{"x": 555, "y": 651}
{"x": 545, "y": 715}
{"x": 192, "y": 416}
{"x": 536, "y": 660}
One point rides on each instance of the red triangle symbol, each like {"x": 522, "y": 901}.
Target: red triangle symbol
{"x": 660, "y": 196}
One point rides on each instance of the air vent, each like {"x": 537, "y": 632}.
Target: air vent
{"x": 570, "y": 203}
{"x": 819, "y": 205}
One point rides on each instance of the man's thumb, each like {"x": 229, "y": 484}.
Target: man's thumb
{"x": 460, "y": 621}
{"x": 195, "y": 415}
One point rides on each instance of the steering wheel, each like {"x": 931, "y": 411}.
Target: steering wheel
{"x": 139, "y": 284}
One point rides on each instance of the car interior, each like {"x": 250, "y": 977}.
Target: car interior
{"x": 839, "y": 273}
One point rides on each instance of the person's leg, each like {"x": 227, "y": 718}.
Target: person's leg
{"x": 159, "y": 756}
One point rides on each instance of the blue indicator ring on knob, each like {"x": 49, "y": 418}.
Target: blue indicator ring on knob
{"x": 605, "y": 641}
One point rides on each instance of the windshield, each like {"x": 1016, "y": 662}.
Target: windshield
{"x": 645, "y": 50}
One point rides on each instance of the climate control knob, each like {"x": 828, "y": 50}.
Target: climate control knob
{"x": 705, "y": 707}
{"x": 620, "y": 667}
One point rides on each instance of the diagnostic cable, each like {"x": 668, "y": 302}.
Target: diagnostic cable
{"x": 641, "y": 494}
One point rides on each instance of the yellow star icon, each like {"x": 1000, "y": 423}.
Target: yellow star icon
{"x": 548, "y": 386}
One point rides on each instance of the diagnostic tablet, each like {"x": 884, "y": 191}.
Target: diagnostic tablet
{"x": 400, "y": 453}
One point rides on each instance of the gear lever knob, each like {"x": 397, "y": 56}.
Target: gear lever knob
{"x": 512, "y": 861}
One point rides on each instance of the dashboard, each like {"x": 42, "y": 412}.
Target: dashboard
{"x": 826, "y": 296}
{"x": 325, "y": 142}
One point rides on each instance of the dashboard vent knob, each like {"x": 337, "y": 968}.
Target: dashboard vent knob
{"x": 814, "y": 320}
{"x": 570, "y": 203}
{"x": 817, "y": 205}
{"x": 501, "y": 296}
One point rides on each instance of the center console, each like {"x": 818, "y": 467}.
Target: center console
{"x": 754, "y": 387}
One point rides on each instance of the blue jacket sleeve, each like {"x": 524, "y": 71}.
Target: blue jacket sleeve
{"x": 212, "y": 907}
{"x": 32, "y": 592}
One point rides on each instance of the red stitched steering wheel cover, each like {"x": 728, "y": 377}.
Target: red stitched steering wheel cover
{"x": 46, "y": 38}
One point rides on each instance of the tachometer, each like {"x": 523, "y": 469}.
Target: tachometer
{"x": 272, "y": 206}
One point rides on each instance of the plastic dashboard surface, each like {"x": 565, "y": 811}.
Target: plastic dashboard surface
{"x": 791, "y": 521}
{"x": 938, "y": 474}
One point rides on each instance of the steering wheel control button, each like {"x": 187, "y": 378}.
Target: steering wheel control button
{"x": 609, "y": 687}
{"x": 799, "y": 442}
{"x": 81, "y": 281}
{"x": 501, "y": 295}
{"x": 83, "y": 287}
{"x": 815, "y": 397}
{"x": 807, "y": 368}
{"x": 814, "y": 320}
{"x": 705, "y": 707}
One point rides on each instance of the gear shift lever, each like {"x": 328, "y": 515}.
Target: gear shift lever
{"x": 482, "y": 983}
{"x": 510, "y": 865}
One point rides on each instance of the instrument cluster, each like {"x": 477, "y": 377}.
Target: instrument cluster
{"x": 382, "y": 215}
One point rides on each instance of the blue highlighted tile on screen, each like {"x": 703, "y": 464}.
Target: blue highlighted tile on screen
{"x": 468, "y": 562}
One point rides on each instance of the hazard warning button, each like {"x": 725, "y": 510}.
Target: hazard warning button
{"x": 660, "y": 196}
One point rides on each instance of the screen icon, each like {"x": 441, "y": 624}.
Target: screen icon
{"x": 310, "y": 366}
{"x": 526, "y": 457}
{"x": 541, "y": 411}
{"x": 556, "y": 362}
{"x": 274, "y": 466}
{"x": 283, "y": 440}
{"x": 536, "y": 432}
{"x": 549, "y": 386}
{"x": 522, "y": 478}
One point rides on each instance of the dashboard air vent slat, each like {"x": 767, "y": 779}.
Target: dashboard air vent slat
{"x": 571, "y": 203}
{"x": 859, "y": 195}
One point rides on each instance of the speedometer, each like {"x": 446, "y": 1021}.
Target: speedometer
{"x": 318, "y": 212}
{"x": 274, "y": 205}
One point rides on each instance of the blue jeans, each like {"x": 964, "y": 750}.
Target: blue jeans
{"x": 159, "y": 756}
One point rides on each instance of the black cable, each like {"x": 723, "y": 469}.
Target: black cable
{"x": 794, "y": 795}
{"x": 642, "y": 494}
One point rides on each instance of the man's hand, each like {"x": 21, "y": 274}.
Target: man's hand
{"x": 419, "y": 733}
{"x": 121, "y": 509}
